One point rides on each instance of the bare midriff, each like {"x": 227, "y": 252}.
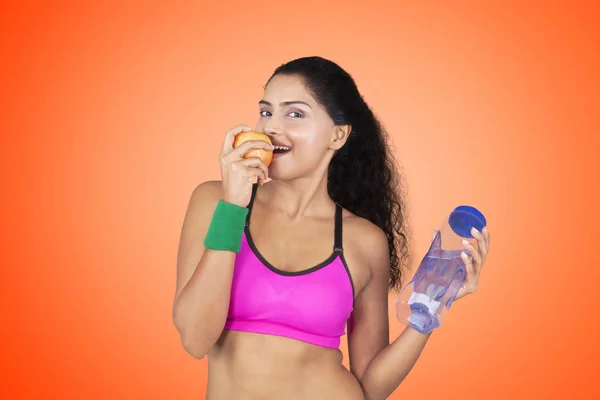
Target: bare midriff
{"x": 248, "y": 366}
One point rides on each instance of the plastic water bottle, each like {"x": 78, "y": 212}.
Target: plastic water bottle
{"x": 424, "y": 302}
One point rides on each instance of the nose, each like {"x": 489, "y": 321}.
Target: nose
{"x": 273, "y": 126}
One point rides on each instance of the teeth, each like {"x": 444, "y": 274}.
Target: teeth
{"x": 282, "y": 148}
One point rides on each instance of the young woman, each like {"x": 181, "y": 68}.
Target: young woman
{"x": 269, "y": 275}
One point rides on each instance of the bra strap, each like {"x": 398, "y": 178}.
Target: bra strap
{"x": 338, "y": 247}
{"x": 254, "y": 188}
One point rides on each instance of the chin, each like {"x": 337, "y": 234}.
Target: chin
{"x": 289, "y": 170}
{"x": 289, "y": 175}
{"x": 285, "y": 175}
{"x": 274, "y": 176}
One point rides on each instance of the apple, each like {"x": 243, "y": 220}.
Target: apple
{"x": 265, "y": 155}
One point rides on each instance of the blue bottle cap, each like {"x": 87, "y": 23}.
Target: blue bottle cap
{"x": 463, "y": 218}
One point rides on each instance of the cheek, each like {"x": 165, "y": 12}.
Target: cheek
{"x": 307, "y": 137}
{"x": 259, "y": 124}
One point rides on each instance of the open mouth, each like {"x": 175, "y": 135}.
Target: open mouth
{"x": 281, "y": 149}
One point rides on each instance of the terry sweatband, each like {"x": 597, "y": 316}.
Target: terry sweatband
{"x": 226, "y": 227}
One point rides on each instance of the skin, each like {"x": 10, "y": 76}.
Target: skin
{"x": 293, "y": 211}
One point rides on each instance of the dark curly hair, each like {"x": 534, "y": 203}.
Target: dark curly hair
{"x": 362, "y": 175}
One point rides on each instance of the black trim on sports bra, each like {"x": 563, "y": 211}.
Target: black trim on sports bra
{"x": 254, "y": 189}
{"x": 337, "y": 247}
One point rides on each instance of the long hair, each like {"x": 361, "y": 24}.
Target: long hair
{"x": 362, "y": 176}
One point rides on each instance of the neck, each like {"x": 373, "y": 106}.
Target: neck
{"x": 300, "y": 197}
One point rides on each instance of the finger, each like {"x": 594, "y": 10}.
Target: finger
{"x": 470, "y": 277}
{"x": 481, "y": 242}
{"x": 253, "y": 166}
{"x": 255, "y": 174}
{"x": 230, "y": 137}
{"x": 255, "y": 162}
{"x": 486, "y": 235}
{"x": 264, "y": 169}
{"x": 477, "y": 258}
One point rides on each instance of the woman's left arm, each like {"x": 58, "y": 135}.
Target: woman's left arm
{"x": 379, "y": 366}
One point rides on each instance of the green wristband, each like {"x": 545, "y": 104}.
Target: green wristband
{"x": 226, "y": 227}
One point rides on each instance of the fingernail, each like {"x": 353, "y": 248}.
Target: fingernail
{"x": 465, "y": 242}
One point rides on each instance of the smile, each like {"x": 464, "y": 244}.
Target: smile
{"x": 281, "y": 149}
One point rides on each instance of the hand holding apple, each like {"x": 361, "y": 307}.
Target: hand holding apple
{"x": 245, "y": 157}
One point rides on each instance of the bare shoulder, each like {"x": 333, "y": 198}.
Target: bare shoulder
{"x": 201, "y": 205}
{"x": 366, "y": 248}
{"x": 366, "y": 237}
{"x": 206, "y": 191}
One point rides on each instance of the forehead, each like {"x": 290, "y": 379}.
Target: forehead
{"x": 287, "y": 88}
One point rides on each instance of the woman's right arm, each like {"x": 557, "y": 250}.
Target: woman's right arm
{"x": 204, "y": 276}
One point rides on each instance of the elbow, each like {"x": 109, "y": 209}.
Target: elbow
{"x": 194, "y": 348}
{"x": 374, "y": 396}
{"x": 196, "y": 338}
{"x": 373, "y": 390}
{"x": 191, "y": 341}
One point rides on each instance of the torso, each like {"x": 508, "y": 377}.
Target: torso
{"x": 247, "y": 365}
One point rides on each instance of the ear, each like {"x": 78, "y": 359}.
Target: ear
{"x": 339, "y": 136}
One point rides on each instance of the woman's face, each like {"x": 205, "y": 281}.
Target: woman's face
{"x": 292, "y": 118}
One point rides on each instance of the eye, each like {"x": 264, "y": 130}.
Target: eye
{"x": 296, "y": 114}
{"x": 264, "y": 113}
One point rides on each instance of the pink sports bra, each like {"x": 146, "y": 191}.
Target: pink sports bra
{"x": 312, "y": 305}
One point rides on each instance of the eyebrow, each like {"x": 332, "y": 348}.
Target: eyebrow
{"x": 286, "y": 103}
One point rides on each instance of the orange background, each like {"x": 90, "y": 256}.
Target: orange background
{"x": 112, "y": 114}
